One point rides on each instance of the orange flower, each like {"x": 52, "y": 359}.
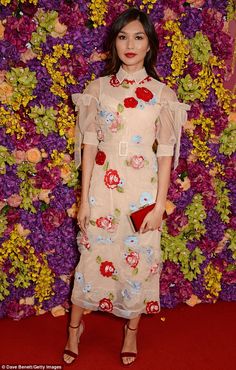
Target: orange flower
{"x": 28, "y": 55}
{"x": 44, "y": 195}
{"x": 14, "y": 200}
{"x": 197, "y": 3}
{"x": 22, "y": 231}
{"x": 185, "y": 185}
{"x": 2, "y": 76}
{"x": 72, "y": 212}
{"x": 6, "y": 91}
{"x": 2, "y": 204}
{"x": 58, "y": 311}
{"x": 65, "y": 173}
{"x": 19, "y": 155}
{"x": 34, "y": 155}
{"x": 2, "y": 29}
{"x": 193, "y": 300}
{"x": 59, "y": 29}
{"x": 232, "y": 116}
{"x": 170, "y": 207}
{"x": 71, "y": 132}
{"x": 169, "y": 14}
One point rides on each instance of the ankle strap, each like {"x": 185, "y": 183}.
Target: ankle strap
{"x": 127, "y": 325}
{"x": 73, "y": 327}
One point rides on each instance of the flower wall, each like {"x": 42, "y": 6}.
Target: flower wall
{"x": 51, "y": 49}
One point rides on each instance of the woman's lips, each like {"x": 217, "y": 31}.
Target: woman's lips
{"x": 130, "y": 55}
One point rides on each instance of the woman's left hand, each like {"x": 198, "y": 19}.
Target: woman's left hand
{"x": 152, "y": 220}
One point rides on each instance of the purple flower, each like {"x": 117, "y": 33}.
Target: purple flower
{"x": 219, "y": 5}
{"x": 52, "y": 142}
{"x": 9, "y": 55}
{"x": 214, "y": 226}
{"x": 191, "y": 21}
{"x": 164, "y": 62}
{"x": 186, "y": 146}
{"x": 176, "y": 221}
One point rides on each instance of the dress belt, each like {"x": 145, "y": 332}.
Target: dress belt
{"x": 122, "y": 146}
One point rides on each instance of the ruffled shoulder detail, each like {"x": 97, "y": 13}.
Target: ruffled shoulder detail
{"x": 84, "y": 99}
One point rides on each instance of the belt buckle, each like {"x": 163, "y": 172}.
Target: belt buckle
{"x": 123, "y": 148}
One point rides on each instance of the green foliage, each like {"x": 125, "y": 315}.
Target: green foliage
{"x": 200, "y": 48}
{"x": 196, "y": 214}
{"x": 5, "y": 157}
{"x": 228, "y": 139}
{"x": 45, "y": 119}
{"x": 223, "y": 202}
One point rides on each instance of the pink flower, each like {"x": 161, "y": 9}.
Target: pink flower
{"x": 133, "y": 259}
{"x": 14, "y": 200}
{"x": 154, "y": 268}
{"x": 197, "y": 3}
{"x": 137, "y": 161}
{"x": 83, "y": 240}
{"x": 104, "y": 223}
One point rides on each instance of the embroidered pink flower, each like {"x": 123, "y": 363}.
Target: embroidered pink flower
{"x": 104, "y": 223}
{"x": 111, "y": 179}
{"x": 105, "y": 304}
{"x": 107, "y": 268}
{"x": 83, "y": 240}
{"x": 152, "y": 307}
{"x": 114, "y": 81}
{"x": 130, "y": 102}
{"x": 100, "y": 158}
{"x": 137, "y": 161}
{"x": 133, "y": 259}
{"x": 144, "y": 94}
{"x": 154, "y": 268}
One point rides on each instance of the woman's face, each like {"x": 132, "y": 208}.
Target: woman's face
{"x": 132, "y": 46}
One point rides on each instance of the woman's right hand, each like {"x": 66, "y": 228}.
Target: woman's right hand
{"x": 83, "y": 216}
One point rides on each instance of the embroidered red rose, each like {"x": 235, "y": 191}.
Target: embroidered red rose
{"x": 132, "y": 259}
{"x": 114, "y": 81}
{"x": 130, "y": 102}
{"x": 104, "y": 223}
{"x": 111, "y": 179}
{"x": 144, "y": 94}
{"x": 152, "y": 307}
{"x": 107, "y": 268}
{"x": 105, "y": 304}
{"x": 100, "y": 158}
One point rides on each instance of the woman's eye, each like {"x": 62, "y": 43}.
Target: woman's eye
{"x": 121, "y": 37}
{"x": 139, "y": 37}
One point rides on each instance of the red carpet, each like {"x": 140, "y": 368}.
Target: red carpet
{"x": 199, "y": 338}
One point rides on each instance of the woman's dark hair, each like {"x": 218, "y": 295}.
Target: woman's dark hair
{"x": 129, "y": 15}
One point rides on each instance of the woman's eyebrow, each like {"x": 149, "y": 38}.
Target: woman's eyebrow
{"x": 136, "y": 33}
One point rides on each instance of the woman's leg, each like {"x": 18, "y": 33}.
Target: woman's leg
{"x": 73, "y": 338}
{"x": 130, "y": 340}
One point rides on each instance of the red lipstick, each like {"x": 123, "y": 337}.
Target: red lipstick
{"x": 130, "y": 55}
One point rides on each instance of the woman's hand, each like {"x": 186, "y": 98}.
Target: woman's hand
{"x": 152, "y": 220}
{"x": 83, "y": 216}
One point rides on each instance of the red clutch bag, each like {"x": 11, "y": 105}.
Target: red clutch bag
{"x": 136, "y": 218}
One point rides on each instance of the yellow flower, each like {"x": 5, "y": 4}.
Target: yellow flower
{"x": 98, "y": 9}
{"x": 2, "y": 29}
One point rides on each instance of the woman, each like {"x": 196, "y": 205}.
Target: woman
{"x": 120, "y": 117}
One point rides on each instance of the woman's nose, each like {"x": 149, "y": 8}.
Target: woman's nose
{"x": 130, "y": 43}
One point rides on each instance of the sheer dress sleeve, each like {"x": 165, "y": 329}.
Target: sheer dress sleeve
{"x": 86, "y": 105}
{"x": 169, "y": 124}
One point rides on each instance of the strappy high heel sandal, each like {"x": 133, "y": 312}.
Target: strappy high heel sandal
{"x": 128, "y": 354}
{"x": 71, "y": 353}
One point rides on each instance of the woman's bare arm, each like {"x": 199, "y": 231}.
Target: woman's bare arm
{"x": 89, "y": 153}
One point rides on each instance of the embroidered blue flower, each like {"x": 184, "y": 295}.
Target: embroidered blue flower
{"x": 131, "y": 241}
{"x": 141, "y": 104}
{"x": 79, "y": 277}
{"x": 148, "y": 251}
{"x": 146, "y": 198}
{"x": 133, "y": 207}
{"x": 92, "y": 201}
{"x": 135, "y": 286}
{"x": 153, "y": 101}
{"x": 121, "y": 183}
{"x": 125, "y": 293}
{"x": 136, "y": 139}
{"x": 87, "y": 288}
{"x": 101, "y": 240}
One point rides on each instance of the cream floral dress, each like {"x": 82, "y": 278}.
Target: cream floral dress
{"x": 123, "y": 115}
